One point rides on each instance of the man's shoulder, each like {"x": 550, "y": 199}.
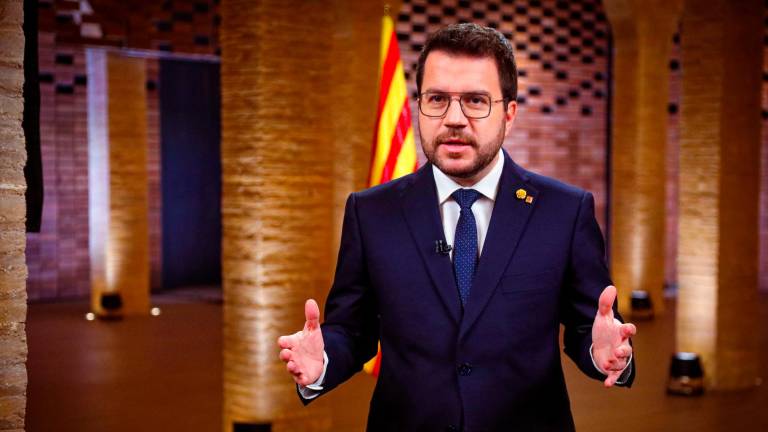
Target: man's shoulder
{"x": 388, "y": 191}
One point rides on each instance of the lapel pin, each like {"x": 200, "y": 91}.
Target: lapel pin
{"x": 521, "y": 193}
{"x": 529, "y": 199}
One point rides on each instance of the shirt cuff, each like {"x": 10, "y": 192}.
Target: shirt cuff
{"x": 625, "y": 373}
{"x": 313, "y": 390}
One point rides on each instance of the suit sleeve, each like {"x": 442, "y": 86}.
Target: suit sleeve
{"x": 351, "y": 325}
{"x": 586, "y": 277}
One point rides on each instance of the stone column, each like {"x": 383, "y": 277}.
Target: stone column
{"x": 13, "y": 269}
{"x": 118, "y": 183}
{"x": 719, "y": 187}
{"x": 277, "y": 164}
{"x": 298, "y": 106}
{"x": 642, "y": 31}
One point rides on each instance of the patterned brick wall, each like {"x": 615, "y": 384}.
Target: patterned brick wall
{"x": 58, "y": 256}
{"x": 561, "y": 52}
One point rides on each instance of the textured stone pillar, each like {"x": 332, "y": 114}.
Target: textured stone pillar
{"x": 118, "y": 188}
{"x": 719, "y": 182}
{"x": 13, "y": 270}
{"x": 642, "y": 34}
{"x": 298, "y": 106}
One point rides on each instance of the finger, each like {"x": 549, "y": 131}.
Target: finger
{"x": 622, "y": 351}
{"x": 609, "y": 365}
{"x": 289, "y": 341}
{"x": 628, "y": 330}
{"x": 302, "y": 380}
{"x": 611, "y": 379}
{"x": 286, "y": 355}
{"x": 618, "y": 366}
{"x": 293, "y": 368}
{"x": 605, "y": 303}
{"x": 312, "y": 314}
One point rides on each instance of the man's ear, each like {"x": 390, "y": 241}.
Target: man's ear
{"x": 509, "y": 116}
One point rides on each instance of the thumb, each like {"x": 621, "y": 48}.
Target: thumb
{"x": 312, "y": 314}
{"x": 607, "y": 298}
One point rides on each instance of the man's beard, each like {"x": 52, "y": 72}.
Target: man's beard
{"x": 484, "y": 155}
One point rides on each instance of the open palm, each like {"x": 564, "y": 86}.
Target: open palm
{"x": 302, "y": 351}
{"x": 610, "y": 338}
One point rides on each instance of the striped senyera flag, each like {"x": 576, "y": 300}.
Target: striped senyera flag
{"x": 394, "y": 149}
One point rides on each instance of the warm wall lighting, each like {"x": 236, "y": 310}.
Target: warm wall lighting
{"x": 155, "y": 311}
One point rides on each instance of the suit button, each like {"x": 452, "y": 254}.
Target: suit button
{"x": 451, "y": 428}
{"x": 465, "y": 369}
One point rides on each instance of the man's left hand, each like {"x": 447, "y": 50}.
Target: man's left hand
{"x": 610, "y": 338}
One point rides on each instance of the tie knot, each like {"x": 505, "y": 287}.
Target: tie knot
{"x": 465, "y": 197}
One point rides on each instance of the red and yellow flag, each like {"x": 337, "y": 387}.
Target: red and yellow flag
{"x": 394, "y": 149}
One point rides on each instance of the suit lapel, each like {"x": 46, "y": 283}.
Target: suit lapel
{"x": 508, "y": 220}
{"x": 422, "y": 214}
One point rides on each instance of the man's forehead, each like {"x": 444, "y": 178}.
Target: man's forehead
{"x": 440, "y": 55}
{"x": 443, "y": 68}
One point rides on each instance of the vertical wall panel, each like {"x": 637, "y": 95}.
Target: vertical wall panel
{"x": 191, "y": 182}
{"x": 13, "y": 271}
{"x": 641, "y": 34}
{"x": 719, "y": 188}
{"x": 118, "y": 181}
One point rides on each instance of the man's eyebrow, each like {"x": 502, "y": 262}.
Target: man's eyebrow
{"x": 477, "y": 92}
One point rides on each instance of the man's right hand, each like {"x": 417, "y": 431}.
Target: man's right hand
{"x": 302, "y": 351}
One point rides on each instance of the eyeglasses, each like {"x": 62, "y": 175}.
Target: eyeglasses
{"x": 473, "y": 105}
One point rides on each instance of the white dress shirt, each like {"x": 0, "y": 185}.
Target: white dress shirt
{"x": 482, "y": 209}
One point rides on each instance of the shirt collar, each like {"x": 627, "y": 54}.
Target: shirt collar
{"x": 488, "y": 185}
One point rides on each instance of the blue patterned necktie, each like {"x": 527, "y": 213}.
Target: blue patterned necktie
{"x": 465, "y": 242}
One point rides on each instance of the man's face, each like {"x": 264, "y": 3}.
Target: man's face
{"x": 460, "y": 147}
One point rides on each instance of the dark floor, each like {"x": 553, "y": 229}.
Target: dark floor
{"x": 164, "y": 374}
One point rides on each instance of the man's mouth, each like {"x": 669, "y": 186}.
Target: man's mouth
{"x": 454, "y": 142}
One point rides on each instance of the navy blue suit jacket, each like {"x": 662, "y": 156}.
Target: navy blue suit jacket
{"x": 493, "y": 365}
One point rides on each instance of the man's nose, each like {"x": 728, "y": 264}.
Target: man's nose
{"x": 455, "y": 116}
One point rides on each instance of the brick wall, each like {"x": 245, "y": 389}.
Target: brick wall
{"x": 673, "y": 134}
{"x": 561, "y": 49}
{"x": 13, "y": 272}
{"x": 57, "y": 257}
{"x": 561, "y": 52}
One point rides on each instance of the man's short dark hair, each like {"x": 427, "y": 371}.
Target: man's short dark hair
{"x": 474, "y": 41}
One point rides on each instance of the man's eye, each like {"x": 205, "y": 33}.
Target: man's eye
{"x": 476, "y": 100}
{"x": 436, "y": 98}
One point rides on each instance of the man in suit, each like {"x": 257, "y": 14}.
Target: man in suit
{"x": 469, "y": 333}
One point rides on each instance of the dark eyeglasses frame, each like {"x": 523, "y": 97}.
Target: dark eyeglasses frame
{"x": 461, "y": 105}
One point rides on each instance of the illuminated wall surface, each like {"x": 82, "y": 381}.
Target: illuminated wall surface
{"x": 118, "y": 192}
